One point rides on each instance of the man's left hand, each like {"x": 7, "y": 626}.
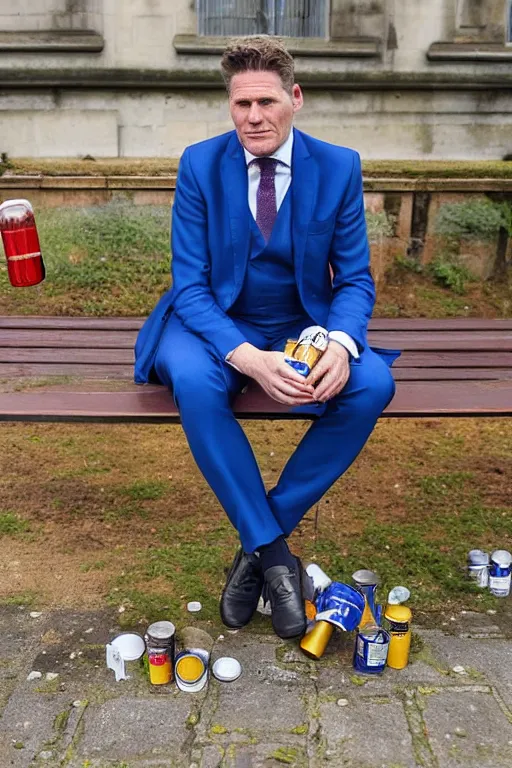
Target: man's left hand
{"x": 331, "y": 372}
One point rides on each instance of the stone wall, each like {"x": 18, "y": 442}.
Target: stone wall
{"x": 410, "y": 79}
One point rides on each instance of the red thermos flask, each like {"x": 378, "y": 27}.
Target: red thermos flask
{"x": 21, "y": 243}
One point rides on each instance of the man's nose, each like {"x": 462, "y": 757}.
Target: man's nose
{"x": 255, "y": 113}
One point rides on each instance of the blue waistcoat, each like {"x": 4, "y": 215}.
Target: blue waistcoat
{"x": 269, "y": 296}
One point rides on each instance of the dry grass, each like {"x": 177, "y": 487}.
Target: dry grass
{"x": 121, "y": 513}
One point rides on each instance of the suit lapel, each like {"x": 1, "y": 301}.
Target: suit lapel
{"x": 304, "y": 191}
{"x": 234, "y": 180}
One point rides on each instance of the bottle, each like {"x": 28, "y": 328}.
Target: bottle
{"x": 398, "y": 623}
{"x": 25, "y": 264}
{"x": 366, "y": 582}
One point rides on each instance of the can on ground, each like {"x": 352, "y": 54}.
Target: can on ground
{"x": 160, "y": 640}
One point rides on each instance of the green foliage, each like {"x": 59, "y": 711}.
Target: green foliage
{"x": 146, "y": 490}
{"x": 480, "y": 219}
{"x": 379, "y": 225}
{"x": 109, "y": 259}
{"x": 450, "y": 274}
{"x": 409, "y": 265}
{"x": 12, "y": 525}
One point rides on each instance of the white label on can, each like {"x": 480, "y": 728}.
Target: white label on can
{"x": 479, "y": 574}
{"x": 377, "y": 654}
{"x": 500, "y": 584}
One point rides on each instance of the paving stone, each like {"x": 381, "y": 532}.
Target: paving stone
{"x": 485, "y": 659}
{"x": 269, "y": 755}
{"x": 211, "y": 757}
{"x": 259, "y": 706}
{"x": 345, "y": 732}
{"x": 130, "y": 727}
{"x": 28, "y": 720}
{"x": 467, "y": 728}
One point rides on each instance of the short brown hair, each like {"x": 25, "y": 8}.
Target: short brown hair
{"x": 259, "y": 53}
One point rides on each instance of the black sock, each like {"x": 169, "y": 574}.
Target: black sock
{"x": 276, "y": 553}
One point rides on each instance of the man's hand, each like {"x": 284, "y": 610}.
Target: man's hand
{"x": 331, "y": 372}
{"x": 279, "y": 380}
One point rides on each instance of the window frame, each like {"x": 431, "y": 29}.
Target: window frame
{"x": 272, "y": 10}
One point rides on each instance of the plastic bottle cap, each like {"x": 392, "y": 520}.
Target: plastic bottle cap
{"x": 398, "y": 595}
{"x": 227, "y": 669}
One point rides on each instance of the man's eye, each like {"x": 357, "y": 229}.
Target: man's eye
{"x": 265, "y": 102}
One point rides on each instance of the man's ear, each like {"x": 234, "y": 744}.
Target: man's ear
{"x": 297, "y": 97}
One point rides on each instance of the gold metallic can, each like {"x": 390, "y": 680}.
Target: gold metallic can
{"x": 315, "y": 642}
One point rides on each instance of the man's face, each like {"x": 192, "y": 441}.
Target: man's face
{"x": 262, "y": 110}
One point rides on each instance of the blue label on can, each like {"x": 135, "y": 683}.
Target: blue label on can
{"x": 299, "y": 365}
{"x": 371, "y": 651}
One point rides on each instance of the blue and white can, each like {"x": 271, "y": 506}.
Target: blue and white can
{"x": 371, "y": 650}
{"x": 500, "y": 573}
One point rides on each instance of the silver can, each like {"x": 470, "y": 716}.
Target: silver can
{"x": 478, "y": 567}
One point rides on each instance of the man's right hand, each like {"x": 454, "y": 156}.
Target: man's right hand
{"x": 274, "y": 375}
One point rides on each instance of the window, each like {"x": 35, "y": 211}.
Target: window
{"x": 291, "y": 18}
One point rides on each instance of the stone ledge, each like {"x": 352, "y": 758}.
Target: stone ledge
{"x": 371, "y": 184}
{"x": 210, "y": 79}
{"x": 354, "y": 47}
{"x": 470, "y": 52}
{"x": 47, "y": 41}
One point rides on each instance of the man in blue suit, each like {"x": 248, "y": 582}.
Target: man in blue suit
{"x": 268, "y": 237}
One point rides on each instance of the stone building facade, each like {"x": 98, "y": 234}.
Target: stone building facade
{"x": 397, "y": 79}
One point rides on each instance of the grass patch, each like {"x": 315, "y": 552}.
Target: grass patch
{"x": 146, "y": 490}
{"x": 164, "y": 166}
{"x": 111, "y": 259}
{"x": 12, "y": 524}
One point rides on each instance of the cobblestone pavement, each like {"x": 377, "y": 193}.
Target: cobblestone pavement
{"x": 284, "y": 710}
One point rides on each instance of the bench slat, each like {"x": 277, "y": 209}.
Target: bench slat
{"x": 155, "y": 405}
{"x": 376, "y": 324}
{"x": 115, "y": 356}
{"x": 125, "y": 372}
{"x": 477, "y": 341}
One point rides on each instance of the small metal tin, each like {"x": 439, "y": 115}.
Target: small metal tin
{"x": 500, "y": 573}
{"x": 371, "y": 650}
{"x": 160, "y": 643}
{"x": 191, "y": 670}
{"x": 478, "y": 567}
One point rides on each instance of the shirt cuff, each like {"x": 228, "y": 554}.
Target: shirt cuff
{"x": 346, "y": 341}
{"x": 227, "y": 360}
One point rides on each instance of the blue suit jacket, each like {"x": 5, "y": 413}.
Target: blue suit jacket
{"x": 210, "y": 243}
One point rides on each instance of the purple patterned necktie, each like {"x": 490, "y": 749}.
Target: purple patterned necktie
{"x": 266, "y": 206}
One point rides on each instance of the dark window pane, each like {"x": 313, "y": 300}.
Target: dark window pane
{"x": 292, "y": 18}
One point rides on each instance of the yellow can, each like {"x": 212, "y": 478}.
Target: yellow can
{"x": 398, "y": 623}
{"x": 160, "y": 666}
{"x": 315, "y": 642}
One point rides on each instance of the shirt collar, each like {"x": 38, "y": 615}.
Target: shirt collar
{"x": 282, "y": 153}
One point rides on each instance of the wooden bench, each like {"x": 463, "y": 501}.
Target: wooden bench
{"x": 80, "y": 370}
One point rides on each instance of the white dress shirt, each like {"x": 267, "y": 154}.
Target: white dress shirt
{"x": 283, "y": 179}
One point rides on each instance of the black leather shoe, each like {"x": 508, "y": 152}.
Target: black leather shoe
{"x": 242, "y": 591}
{"x": 283, "y": 588}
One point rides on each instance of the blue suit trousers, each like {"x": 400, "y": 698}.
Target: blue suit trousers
{"x": 204, "y": 386}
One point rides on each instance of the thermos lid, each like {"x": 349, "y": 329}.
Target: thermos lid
{"x": 399, "y": 613}
{"x": 161, "y": 630}
{"x": 477, "y": 557}
{"x": 502, "y": 558}
{"x": 365, "y": 578}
